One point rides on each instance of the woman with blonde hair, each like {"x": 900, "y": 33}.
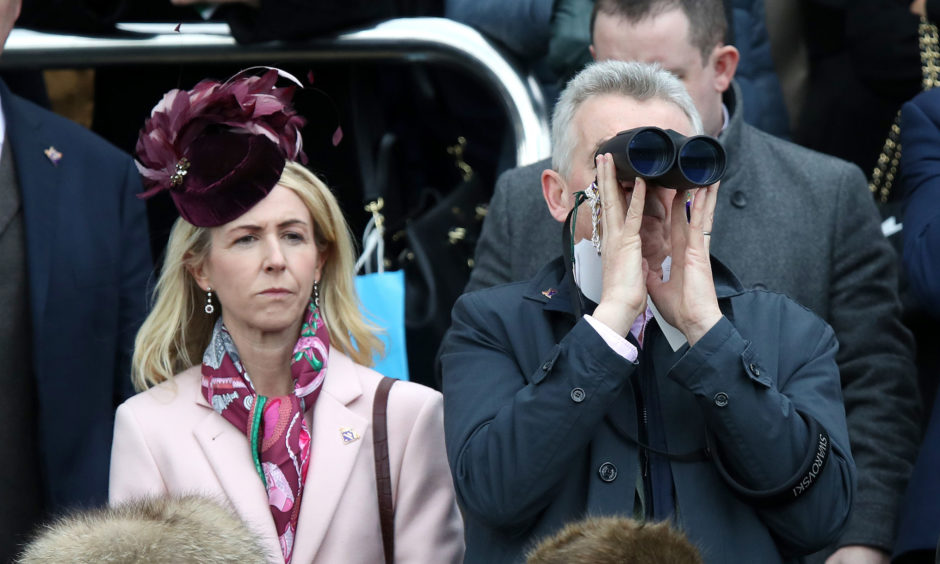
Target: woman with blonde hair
{"x": 252, "y": 365}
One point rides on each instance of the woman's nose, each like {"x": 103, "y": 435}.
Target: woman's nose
{"x": 274, "y": 257}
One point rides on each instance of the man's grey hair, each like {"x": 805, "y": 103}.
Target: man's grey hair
{"x": 640, "y": 81}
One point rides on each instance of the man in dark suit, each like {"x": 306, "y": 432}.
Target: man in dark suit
{"x": 788, "y": 219}
{"x": 75, "y": 259}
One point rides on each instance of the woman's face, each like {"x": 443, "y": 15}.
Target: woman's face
{"x": 262, "y": 265}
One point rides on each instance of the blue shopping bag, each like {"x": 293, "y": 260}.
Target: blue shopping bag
{"x": 382, "y": 299}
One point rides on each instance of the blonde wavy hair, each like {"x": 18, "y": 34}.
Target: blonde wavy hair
{"x": 177, "y": 331}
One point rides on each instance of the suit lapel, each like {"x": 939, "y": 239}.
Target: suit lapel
{"x": 9, "y": 194}
{"x": 42, "y": 203}
{"x": 332, "y": 459}
{"x": 229, "y": 455}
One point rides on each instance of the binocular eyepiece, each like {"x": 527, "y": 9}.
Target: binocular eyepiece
{"x": 666, "y": 157}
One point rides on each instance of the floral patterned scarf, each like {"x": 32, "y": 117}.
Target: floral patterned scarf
{"x": 275, "y": 426}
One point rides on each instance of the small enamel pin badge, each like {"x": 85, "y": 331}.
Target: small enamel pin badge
{"x": 349, "y": 435}
{"x": 53, "y": 155}
{"x": 550, "y": 293}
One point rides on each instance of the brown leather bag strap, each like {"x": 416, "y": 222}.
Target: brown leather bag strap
{"x": 383, "y": 475}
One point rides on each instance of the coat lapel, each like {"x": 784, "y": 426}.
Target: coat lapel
{"x": 685, "y": 434}
{"x": 332, "y": 458}
{"x": 229, "y": 455}
{"x": 39, "y": 187}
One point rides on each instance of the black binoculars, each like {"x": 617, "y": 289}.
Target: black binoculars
{"x": 666, "y": 157}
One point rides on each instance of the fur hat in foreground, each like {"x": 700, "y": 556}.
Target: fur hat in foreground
{"x": 615, "y": 540}
{"x": 167, "y": 529}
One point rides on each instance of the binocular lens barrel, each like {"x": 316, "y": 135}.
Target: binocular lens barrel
{"x": 650, "y": 152}
{"x": 666, "y": 157}
{"x": 702, "y": 161}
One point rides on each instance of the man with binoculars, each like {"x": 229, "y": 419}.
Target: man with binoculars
{"x": 635, "y": 375}
{"x": 790, "y": 220}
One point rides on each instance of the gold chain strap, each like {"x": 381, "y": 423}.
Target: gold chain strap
{"x": 886, "y": 170}
{"x": 929, "y": 54}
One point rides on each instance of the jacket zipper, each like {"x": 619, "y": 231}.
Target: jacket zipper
{"x": 646, "y": 454}
{"x": 644, "y": 434}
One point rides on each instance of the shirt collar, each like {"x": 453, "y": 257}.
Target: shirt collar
{"x": 725, "y": 118}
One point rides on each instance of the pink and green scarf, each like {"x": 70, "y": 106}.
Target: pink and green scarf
{"x": 275, "y": 426}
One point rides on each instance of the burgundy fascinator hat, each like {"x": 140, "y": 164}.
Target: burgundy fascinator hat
{"x": 220, "y": 147}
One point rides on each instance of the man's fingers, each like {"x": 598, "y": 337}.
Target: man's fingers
{"x": 679, "y": 226}
{"x": 696, "y": 232}
{"x": 607, "y": 186}
{"x": 703, "y": 217}
{"x": 696, "y": 219}
{"x": 703, "y": 214}
{"x": 612, "y": 215}
{"x": 711, "y": 202}
{"x": 658, "y": 290}
{"x": 637, "y": 202}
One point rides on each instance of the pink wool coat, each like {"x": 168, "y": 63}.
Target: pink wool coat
{"x": 168, "y": 440}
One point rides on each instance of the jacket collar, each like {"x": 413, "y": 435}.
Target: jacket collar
{"x": 730, "y": 137}
{"x": 552, "y": 287}
{"x": 727, "y": 284}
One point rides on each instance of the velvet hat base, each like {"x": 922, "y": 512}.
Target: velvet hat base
{"x": 228, "y": 174}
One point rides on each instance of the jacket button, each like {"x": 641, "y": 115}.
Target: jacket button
{"x": 721, "y": 399}
{"x": 577, "y": 395}
{"x": 754, "y": 369}
{"x": 760, "y": 286}
{"x": 607, "y": 472}
{"x": 738, "y": 199}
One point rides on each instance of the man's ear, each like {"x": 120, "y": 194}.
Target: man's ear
{"x": 556, "y": 195}
{"x": 593, "y": 53}
{"x": 724, "y": 59}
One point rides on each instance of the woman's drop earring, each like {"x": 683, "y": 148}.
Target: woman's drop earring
{"x": 209, "y": 307}
{"x": 316, "y": 293}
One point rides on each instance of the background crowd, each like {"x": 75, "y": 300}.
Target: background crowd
{"x": 802, "y": 95}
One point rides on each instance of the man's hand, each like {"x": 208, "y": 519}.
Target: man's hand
{"x": 688, "y": 299}
{"x": 918, "y": 8}
{"x": 858, "y": 554}
{"x": 625, "y": 270}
